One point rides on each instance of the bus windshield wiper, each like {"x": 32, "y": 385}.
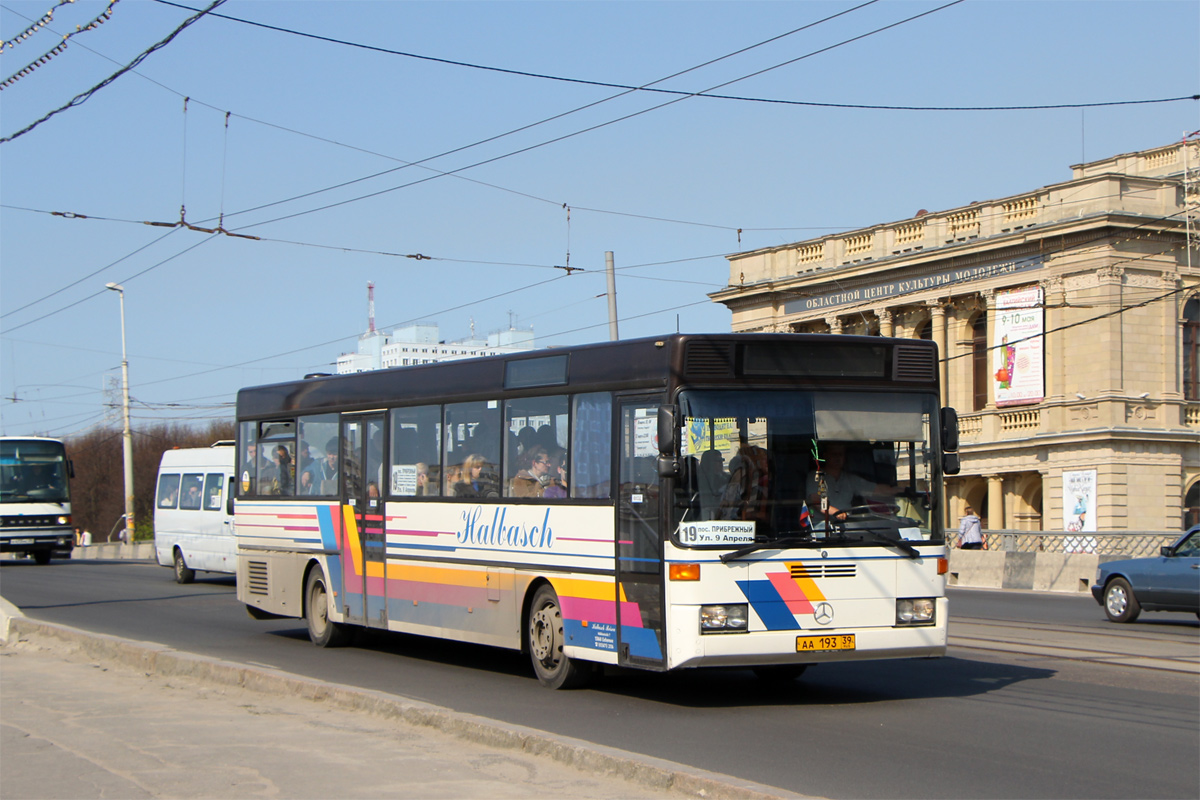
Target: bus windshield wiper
{"x": 875, "y": 536}
{"x": 781, "y": 542}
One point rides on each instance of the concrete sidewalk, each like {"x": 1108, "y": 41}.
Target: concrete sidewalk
{"x": 89, "y": 716}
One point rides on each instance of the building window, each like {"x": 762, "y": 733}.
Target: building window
{"x": 925, "y": 330}
{"x": 979, "y": 361}
{"x": 1191, "y": 349}
{"x": 1191, "y": 507}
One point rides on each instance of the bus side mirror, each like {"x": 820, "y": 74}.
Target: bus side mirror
{"x": 229, "y": 497}
{"x": 668, "y": 467}
{"x": 949, "y": 429}
{"x": 666, "y": 430}
{"x": 70, "y": 468}
{"x": 950, "y": 463}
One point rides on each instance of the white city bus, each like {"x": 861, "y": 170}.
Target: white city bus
{"x": 35, "y": 498}
{"x": 193, "y": 511}
{"x": 655, "y": 503}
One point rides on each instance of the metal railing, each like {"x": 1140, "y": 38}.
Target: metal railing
{"x": 1129, "y": 544}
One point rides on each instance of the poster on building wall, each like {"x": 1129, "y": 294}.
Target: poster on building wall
{"x": 1019, "y": 346}
{"x": 1079, "y": 500}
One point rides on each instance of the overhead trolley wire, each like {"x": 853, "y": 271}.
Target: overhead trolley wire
{"x": 592, "y": 127}
{"x": 83, "y": 97}
{"x": 705, "y": 93}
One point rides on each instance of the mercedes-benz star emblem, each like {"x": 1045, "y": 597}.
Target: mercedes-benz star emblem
{"x": 823, "y": 614}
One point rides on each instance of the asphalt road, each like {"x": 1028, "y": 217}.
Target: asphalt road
{"x": 981, "y": 723}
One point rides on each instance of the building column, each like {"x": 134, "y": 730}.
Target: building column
{"x": 995, "y": 501}
{"x": 835, "y": 323}
{"x": 989, "y": 300}
{"x": 886, "y": 327}
{"x": 937, "y": 314}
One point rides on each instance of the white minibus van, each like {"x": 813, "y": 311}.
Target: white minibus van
{"x": 193, "y": 511}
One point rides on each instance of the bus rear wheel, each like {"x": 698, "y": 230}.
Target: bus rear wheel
{"x": 545, "y": 626}
{"x": 183, "y": 573}
{"x": 322, "y": 631}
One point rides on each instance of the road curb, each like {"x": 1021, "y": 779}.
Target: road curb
{"x": 161, "y": 660}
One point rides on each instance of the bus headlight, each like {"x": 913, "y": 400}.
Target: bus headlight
{"x": 915, "y": 611}
{"x": 730, "y": 618}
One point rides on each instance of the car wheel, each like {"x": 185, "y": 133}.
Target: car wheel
{"x": 183, "y": 573}
{"x": 322, "y": 631}
{"x": 545, "y": 630}
{"x": 1119, "y": 602}
{"x": 41, "y": 557}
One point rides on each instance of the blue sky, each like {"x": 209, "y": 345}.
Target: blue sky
{"x": 274, "y": 120}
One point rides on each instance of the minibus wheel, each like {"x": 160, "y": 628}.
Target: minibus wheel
{"x": 183, "y": 573}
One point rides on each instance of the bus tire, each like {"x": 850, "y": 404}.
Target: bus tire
{"x": 545, "y": 630}
{"x": 183, "y": 573}
{"x": 322, "y": 631}
{"x": 41, "y": 557}
{"x": 779, "y": 673}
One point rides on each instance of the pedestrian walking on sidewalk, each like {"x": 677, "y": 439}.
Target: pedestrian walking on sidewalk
{"x": 970, "y": 531}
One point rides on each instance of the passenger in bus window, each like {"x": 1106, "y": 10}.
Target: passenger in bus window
{"x": 285, "y": 477}
{"x": 476, "y": 479}
{"x": 557, "y": 487}
{"x": 323, "y": 474}
{"x": 424, "y": 487}
{"x": 306, "y": 483}
{"x": 531, "y": 480}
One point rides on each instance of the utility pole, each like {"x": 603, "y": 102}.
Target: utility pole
{"x": 128, "y": 434}
{"x": 612, "y": 296}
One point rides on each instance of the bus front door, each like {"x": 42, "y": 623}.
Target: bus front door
{"x": 365, "y": 559}
{"x": 640, "y": 640}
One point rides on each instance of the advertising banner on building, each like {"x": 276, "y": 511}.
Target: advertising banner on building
{"x": 1079, "y": 500}
{"x": 1019, "y": 347}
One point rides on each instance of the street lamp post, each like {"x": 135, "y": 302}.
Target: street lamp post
{"x": 128, "y": 434}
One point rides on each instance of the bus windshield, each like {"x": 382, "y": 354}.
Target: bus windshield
{"x": 33, "y": 471}
{"x": 828, "y": 468}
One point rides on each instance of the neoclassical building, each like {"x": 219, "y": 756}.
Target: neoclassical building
{"x": 1068, "y": 320}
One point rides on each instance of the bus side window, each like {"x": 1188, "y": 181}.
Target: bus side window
{"x": 590, "y": 467}
{"x": 416, "y": 468}
{"x": 471, "y": 429}
{"x": 248, "y": 459}
{"x": 168, "y": 491}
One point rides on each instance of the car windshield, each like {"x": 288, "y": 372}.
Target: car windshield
{"x": 818, "y": 468}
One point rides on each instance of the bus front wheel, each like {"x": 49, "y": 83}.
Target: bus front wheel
{"x": 554, "y": 669}
{"x": 322, "y": 631}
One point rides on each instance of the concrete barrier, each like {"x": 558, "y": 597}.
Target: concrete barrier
{"x": 138, "y": 551}
{"x": 1042, "y": 572}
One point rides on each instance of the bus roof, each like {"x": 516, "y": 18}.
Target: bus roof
{"x": 650, "y": 364}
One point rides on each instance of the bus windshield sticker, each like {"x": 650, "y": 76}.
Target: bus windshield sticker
{"x": 716, "y": 532}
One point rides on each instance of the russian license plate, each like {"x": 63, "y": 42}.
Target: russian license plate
{"x": 816, "y": 644}
{"x": 20, "y": 541}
